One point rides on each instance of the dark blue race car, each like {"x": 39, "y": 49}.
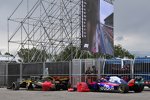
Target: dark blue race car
{"x": 117, "y": 84}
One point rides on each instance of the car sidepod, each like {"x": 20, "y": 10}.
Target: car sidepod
{"x": 107, "y": 86}
{"x": 93, "y": 87}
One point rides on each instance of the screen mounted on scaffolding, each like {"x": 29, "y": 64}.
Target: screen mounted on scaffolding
{"x": 97, "y": 26}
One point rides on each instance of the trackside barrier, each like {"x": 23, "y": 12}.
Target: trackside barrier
{"x": 79, "y": 70}
{"x": 80, "y": 67}
{"x": 90, "y": 70}
{"x": 142, "y": 68}
{"x": 19, "y": 71}
{"x": 118, "y": 67}
{"x": 3, "y": 78}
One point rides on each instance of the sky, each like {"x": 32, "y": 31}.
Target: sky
{"x": 6, "y": 8}
{"x": 131, "y": 21}
{"x": 105, "y": 10}
{"x": 132, "y": 25}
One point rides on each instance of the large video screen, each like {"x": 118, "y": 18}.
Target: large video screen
{"x": 98, "y": 34}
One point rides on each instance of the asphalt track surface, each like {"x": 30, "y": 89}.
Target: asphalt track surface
{"x": 64, "y": 95}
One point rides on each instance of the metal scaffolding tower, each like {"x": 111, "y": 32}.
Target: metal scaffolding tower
{"x": 48, "y": 25}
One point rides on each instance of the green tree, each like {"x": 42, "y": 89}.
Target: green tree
{"x": 9, "y": 54}
{"x": 120, "y": 52}
{"x": 72, "y": 52}
{"x": 32, "y": 55}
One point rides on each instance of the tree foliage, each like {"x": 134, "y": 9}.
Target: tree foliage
{"x": 69, "y": 53}
{"x": 7, "y": 53}
{"x": 72, "y": 52}
{"x": 120, "y": 52}
{"x": 32, "y": 55}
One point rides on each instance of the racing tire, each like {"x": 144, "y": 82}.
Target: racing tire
{"x": 15, "y": 85}
{"x": 100, "y": 89}
{"x": 30, "y": 87}
{"x": 138, "y": 88}
{"x": 123, "y": 88}
{"x": 9, "y": 87}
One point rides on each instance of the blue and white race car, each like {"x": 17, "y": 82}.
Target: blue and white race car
{"x": 117, "y": 84}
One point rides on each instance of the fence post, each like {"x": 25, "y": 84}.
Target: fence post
{"x": 44, "y": 69}
{"x": 132, "y": 69}
{"x": 70, "y": 71}
{"x": 80, "y": 70}
{"x": 103, "y": 66}
{"x": 98, "y": 65}
{"x": 20, "y": 71}
{"x": 6, "y": 73}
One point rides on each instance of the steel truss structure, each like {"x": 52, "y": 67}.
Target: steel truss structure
{"x": 48, "y": 25}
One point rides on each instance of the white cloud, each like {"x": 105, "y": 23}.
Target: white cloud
{"x": 132, "y": 24}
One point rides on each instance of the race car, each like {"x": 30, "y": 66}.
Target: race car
{"x": 41, "y": 83}
{"x": 117, "y": 84}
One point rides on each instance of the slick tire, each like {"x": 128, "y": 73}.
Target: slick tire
{"x": 9, "y": 87}
{"x": 29, "y": 86}
{"x": 123, "y": 88}
{"x": 15, "y": 86}
{"x": 100, "y": 89}
{"x": 138, "y": 88}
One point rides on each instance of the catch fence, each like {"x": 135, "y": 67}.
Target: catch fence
{"x": 79, "y": 70}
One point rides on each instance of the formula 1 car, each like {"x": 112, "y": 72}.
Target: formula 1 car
{"x": 117, "y": 84}
{"x": 41, "y": 83}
